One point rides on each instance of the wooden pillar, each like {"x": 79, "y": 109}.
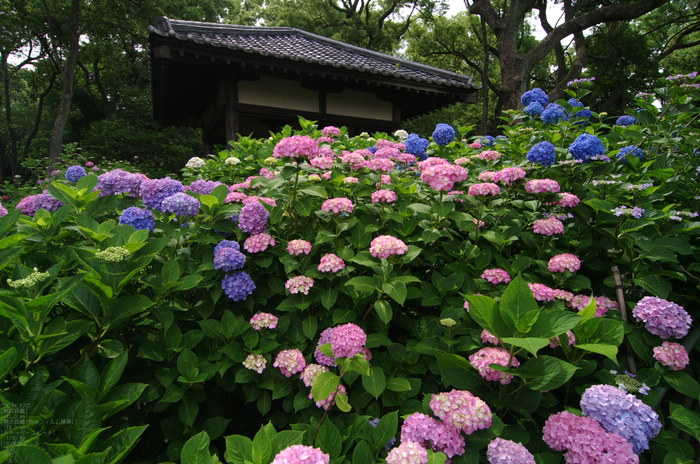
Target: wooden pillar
{"x": 230, "y": 113}
{"x": 207, "y": 148}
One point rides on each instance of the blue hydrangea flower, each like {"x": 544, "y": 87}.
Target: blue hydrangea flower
{"x": 542, "y": 153}
{"x": 622, "y": 154}
{"x": 253, "y": 218}
{"x": 373, "y": 150}
{"x": 227, "y": 244}
{"x": 75, "y": 173}
{"x": 626, "y": 120}
{"x": 181, "y": 204}
{"x": 238, "y": 285}
{"x": 534, "y": 109}
{"x": 416, "y": 145}
{"x": 443, "y": 134}
{"x": 583, "y": 113}
{"x": 488, "y": 141}
{"x": 586, "y": 146}
{"x": 553, "y": 113}
{"x": 229, "y": 259}
{"x": 138, "y": 218}
{"x": 45, "y": 201}
{"x": 501, "y": 138}
{"x": 621, "y": 413}
{"x": 154, "y": 191}
{"x": 535, "y": 95}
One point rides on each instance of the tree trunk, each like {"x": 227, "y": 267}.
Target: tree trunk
{"x": 484, "y": 80}
{"x": 67, "y": 74}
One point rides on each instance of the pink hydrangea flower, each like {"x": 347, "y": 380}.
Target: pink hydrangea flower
{"x": 549, "y": 226}
{"x": 255, "y": 199}
{"x": 501, "y": 451}
{"x": 322, "y": 162}
{"x": 466, "y": 305}
{"x": 296, "y": 146}
{"x": 542, "y": 292}
{"x": 663, "y": 318}
{"x": 487, "y": 188}
{"x": 386, "y": 196}
{"x": 406, "y": 158}
{"x": 563, "y": 295}
{"x": 672, "y": 355}
{"x": 299, "y": 284}
{"x": 462, "y": 410}
{"x": 267, "y": 173}
{"x": 560, "y": 429}
{"x": 379, "y": 164}
{"x": 476, "y": 145}
{"x": 385, "y": 246}
{"x": 489, "y": 155}
{"x": 347, "y": 340}
{"x": 462, "y": 161}
{"x": 384, "y": 179}
{"x": 300, "y": 454}
{"x": 259, "y": 242}
{"x": 331, "y": 263}
{"x": 354, "y": 159}
{"x": 487, "y": 176}
{"x": 542, "y": 186}
{"x": 322, "y": 140}
{"x": 330, "y": 401}
{"x": 496, "y": 276}
{"x": 442, "y": 176}
{"x": 255, "y": 362}
{"x": 331, "y": 131}
{"x": 236, "y": 197}
{"x": 432, "y": 434}
{"x": 488, "y": 337}
{"x": 326, "y": 175}
{"x": 432, "y": 161}
{"x": 485, "y": 356}
{"x": 408, "y": 452}
{"x": 264, "y": 320}
{"x": 351, "y": 180}
{"x": 387, "y": 152}
{"x": 556, "y": 342}
{"x": 311, "y": 373}
{"x": 297, "y": 247}
{"x": 509, "y": 175}
{"x": 338, "y": 205}
{"x": 290, "y": 362}
{"x": 564, "y": 262}
{"x": 568, "y": 200}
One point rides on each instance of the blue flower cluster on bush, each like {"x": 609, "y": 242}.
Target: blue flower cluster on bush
{"x": 227, "y": 244}
{"x": 622, "y": 154}
{"x": 154, "y": 191}
{"x": 586, "y": 146}
{"x": 417, "y": 146}
{"x": 75, "y": 173}
{"x": 626, "y": 120}
{"x": 534, "y": 109}
{"x": 181, "y": 204}
{"x": 542, "y": 153}
{"x": 488, "y": 141}
{"x": 228, "y": 259}
{"x": 535, "y": 95}
{"x": 443, "y": 134}
{"x": 238, "y": 285}
{"x": 373, "y": 150}
{"x": 138, "y": 218}
{"x": 553, "y": 113}
{"x": 583, "y": 113}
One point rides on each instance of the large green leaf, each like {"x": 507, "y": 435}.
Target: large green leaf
{"x": 553, "y": 322}
{"x": 657, "y": 286}
{"x": 329, "y": 439}
{"x": 458, "y": 372}
{"x": 545, "y": 373}
{"x": 686, "y": 420}
{"x": 533, "y": 345}
{"x": 610, "y": 351}
{"x": 386, "y": 429}
{"x": 196, "y": 450}
{"x": 518, "y": 307}
{"x": 485, "y": 312}
{"x": 239, "y": 449}
{"x": 375, "y": 383}
{"x": 127, "y": 306}
{"x": 30, "y": 455}
{"x": 284, "y": 440}
{"x": 262, "y": 448}
{"x": 121, "y": 443}
{"x": 324, "y": 385}
{"x": 363, "y": 284}
{"x": 112, "y": 373}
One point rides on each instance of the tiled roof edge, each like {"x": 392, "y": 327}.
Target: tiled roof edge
{"x": 164, "y": 27}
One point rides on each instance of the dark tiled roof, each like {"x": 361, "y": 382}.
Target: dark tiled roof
{"x": 297, "y": 45}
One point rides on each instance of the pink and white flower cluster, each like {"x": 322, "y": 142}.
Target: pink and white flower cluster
{"x": 484, "y": 189}
{"x": 255, "y": 362}
{"x": 385, "y": 246}
{"x": 501, "y": 451}
{"x": 296, "y": 146}
{"x": 462, "y": 410}
{"x": 338, "y": 205}
{"x": 663, "y": 318}
{"x": 542, "y": 186}
{"x": 290, "y": 362}
{"x": 408, "y": 452}
{"x": 568, "y": 200}
{"x": 386, "y": 196}
{"x": 297, "y": 247}
{"x": 496, "y": 276}
{"x": 564, "y": 262}
{"x": 443, "y": 176}
{"x": 379, "y": 164}
{"x": 509, "y": 175}
{"x": 299, "y": 284}
{"x": 264, "y": 320}
{"x": 322, "y": 162}
{"x": 433, "y": 434}
{"x": 672, "y": 355}
{"x": 300, "y": 454}
{"x": 490, "y": 355}
{"x": 489, "y": 155}
{"x": 347, "y": 340}
{"x": 259, "y": 242}
{"x": 542, "y": 292}
{"x": 549, "y": 226}
{"x": 331, "y": 263}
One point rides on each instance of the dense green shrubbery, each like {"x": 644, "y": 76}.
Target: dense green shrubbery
{"x": 118, "y": 342}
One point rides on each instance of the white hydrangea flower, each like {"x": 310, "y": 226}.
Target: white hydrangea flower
{"x": 195, "y": 162}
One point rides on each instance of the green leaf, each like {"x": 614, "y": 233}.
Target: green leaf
{"x": 545, "y": 373}
{"x": 112, "y": 373}
{"x": 262, "y": 448}
{"x": 654, "y": 284}
{"x": 329, "y": 297}
{"x": 686, "y": 420}
{"x": 458, "y": 372}
{"x": 324, "y": 385}
{"x": 309, "y": 326}
{"x": 683, "y": 383}
{"x": 87, "y": 419}
{"x": 398, "y": 384}
{"x": 386, "y": 429}
{"x": 384, "y": 311}
{"x": 170, "y": 271}
{"x": 410, "y": 255}
{"x": 364, "y": 258}
{"x": 187, "y": 364}
{"x": 238, "y": 449}
{"x": 8, "y": 361}
{"x": 188, "y": 410}
{"x": 329, "y": 439}
{"x": 363, "y": 453}
{"x": 215, "y": 426}
{"x": 396, "y": 290}
{"x": 375, "y": 383}
{"x": 485, "y": 312}
{"x": 196, "y": 450}
{"x": 315, "y": 190}
{"x": 363, "y": 284}
{"x": 518, "y": 307}
{"x": 87, "y": 182}
{"x": 341, "y": 400}
{"x": 532, "y": 345}
{"x": 601, "y": 348}
{"x": 554, "y": 322}
{"x": 127, "y": 306}
{"x": 29, "y": 455}
{"x": 284, "y": 440}
{"x": 121, "y": 443}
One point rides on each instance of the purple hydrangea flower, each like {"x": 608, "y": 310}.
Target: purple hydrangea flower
{"x": 238, "y": 285}
{"x": 536, "y": 95}
{"x": 75, "y": 173}
{"x": 663, "y": 318}
{"x": 318, "y": 354}
{"x": 227, "y": 244}
{"x": 502, "y": 451}
{"x": 119, "y": 182}
{"x": 300, "y": 454}
{"x": 181, "y": 204}
{"x": 488, "y": 141}
{"x": 432, "y": 434}
{"x": 204, "y": 187}
{"x": 253, "y": 218}
{"x": 443, "y": 134}
{"x": 154, "y": 191}
{"x": 347, "y": 340}
{"x": 621, "y": 413}
{"x": 138, "y": 218}
{"x": 542, "y": 153}
{"x": 228, "y": 259}
{"x": 33, "y": 203}
{"x": 586, "y": 146}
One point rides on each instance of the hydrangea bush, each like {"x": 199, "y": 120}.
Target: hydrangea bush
{"x": 316, "y": 298}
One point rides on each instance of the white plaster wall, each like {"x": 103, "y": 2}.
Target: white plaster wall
{"x": 277, "y": 93}
{"x": 358, "y": 104}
